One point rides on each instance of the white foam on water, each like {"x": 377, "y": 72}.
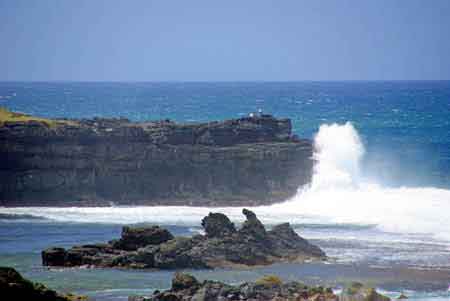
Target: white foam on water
{"x": 337, "y": 194}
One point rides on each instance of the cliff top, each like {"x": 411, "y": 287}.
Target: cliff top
{"x": 252, "y": 129}
{"x": 7, "y": 116}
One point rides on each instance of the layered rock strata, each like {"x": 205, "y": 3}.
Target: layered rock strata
{"x": 98, "y": 162}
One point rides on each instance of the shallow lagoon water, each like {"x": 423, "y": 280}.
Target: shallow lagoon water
{"x": 390, "y": 266}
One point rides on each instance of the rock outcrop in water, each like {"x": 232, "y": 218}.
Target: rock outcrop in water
{"x": 14, "y": 287}
{"x": 246, "y": 161}
{"x": 221, "y": 246}
{"x": 269, "y": 288}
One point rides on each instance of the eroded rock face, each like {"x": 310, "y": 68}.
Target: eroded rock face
{"x": 134, "y": 238}
{"x": 266, "y": 288}
{"x": 217, "y": 225}
{"x": 246, "y": 161}
{"x": 222, "y": 246}
{"x": 14, "y": 287}
{"x": 262, "y": 291}
{"x": 252, "y": 226}
{"x": 358, "y": 292}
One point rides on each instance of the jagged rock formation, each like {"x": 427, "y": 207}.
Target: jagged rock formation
{"x": 268, "y": 288}
{"x": 246, "y": 161}
{"x": 14, "y": 287}
{"x": 221, "y": 246}
{"x": 186, "y": 287}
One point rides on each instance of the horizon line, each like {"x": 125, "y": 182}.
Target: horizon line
{"x": 224, "y": 81}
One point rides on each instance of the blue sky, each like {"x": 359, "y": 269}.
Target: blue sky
{"x": 88, "y": 40}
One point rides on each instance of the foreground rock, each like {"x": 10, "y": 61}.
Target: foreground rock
{"x": 358, "y": 292}
{"x": 96, "y": 162}
{"x": 14, "y": 287}
{"x": 185, "y": 287}
{"x": 221, "y": 246}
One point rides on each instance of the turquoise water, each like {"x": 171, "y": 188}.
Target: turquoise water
{"x": 390, "y": 216}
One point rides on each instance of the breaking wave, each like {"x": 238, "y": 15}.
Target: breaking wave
{"x": 338, "y": 194}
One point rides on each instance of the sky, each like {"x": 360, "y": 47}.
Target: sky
{"x": 253, "y": 40}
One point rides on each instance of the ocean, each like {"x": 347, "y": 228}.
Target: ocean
{"x": 378, "y": 203}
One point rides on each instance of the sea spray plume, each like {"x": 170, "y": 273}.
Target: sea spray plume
{"x": 338, "y": 194}
{"x": 338, "y": 152}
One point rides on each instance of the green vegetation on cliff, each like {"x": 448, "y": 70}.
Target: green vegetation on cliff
{"x": 9, "y": 116}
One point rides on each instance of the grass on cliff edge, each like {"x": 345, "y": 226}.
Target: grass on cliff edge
{"x": 6, "y": 115}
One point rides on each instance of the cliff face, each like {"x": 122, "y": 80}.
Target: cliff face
{"x": 103, "y": 161}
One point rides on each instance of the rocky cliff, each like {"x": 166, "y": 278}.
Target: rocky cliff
{"x": 253, "y": 160}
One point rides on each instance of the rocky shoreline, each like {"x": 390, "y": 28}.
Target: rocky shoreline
{"x": 14, "y": 287}
{"x": 187, "y": 288}
{"x": 268, "y": 288}
{"x": 222, "y": 246}
{"x": 101, "y": 162}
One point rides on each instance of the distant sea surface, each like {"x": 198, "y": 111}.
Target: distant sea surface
{"x": 405, "y": 125}
{"x": 378, "y": 203}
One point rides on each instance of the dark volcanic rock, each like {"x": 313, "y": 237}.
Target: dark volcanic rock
{"x": 218, "y": 225}
{"x": 183, "y": 281}
{"x": 222, "y": 246}
{"x": 284, "y": 238}
{"x": 252, "y": 226}
{"x": 244, "y": 161}
{"x": 267, "y": 288}
{"x": 54, "y": 256}
{"x": 358, "y": 292}
{"x": 14, "y": 287}
{"x": 134, "y": 238}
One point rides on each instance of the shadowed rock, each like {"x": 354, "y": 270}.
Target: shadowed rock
{"x": 358, "y": 292}
{"x": 134, "y": 238}
{"x": 93, "y": 162}
{"x": 252, "y": 226}
{"x": 14, "y": 287}
{"x": 185, "y": 287}
{"x": 222, "y": 246}
{"x": 217, "y": 225}
{"x": 96, "y": 162}
{"x": 262, "y": 290}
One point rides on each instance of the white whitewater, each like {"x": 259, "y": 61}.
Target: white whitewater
{"x": 337, "y": 195}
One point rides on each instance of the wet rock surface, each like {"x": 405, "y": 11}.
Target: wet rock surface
{"x": 221, "y": 246}
{"x": 264, "y": 289}
{"x": 135, "y": 238}
{"x": 358, "y": 292}
{"x": 96, "y": 162}
{"x": 14, "y": 287}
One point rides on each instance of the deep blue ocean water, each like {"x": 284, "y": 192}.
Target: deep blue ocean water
{"x": 405, "y": 130}
{"x": 405, "y": 125}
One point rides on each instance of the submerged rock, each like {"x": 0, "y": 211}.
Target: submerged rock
{"x": 221, "y": 246}
{"x": 14, "y": 287}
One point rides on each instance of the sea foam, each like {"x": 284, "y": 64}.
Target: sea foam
{"x": 338, "y": 194}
